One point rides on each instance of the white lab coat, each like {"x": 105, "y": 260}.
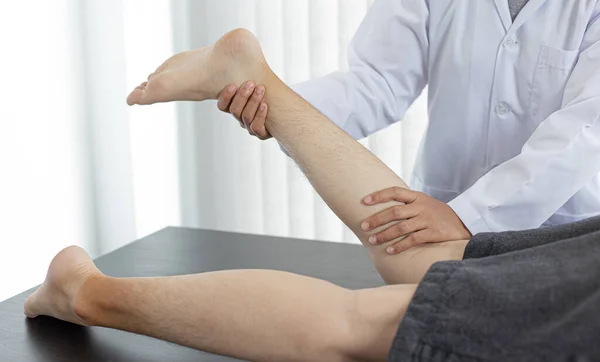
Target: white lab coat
{"x": 513, "y": 140}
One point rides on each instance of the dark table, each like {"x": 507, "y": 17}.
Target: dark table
{"x": 174, "y": 251}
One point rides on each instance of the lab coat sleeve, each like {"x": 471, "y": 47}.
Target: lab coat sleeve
{"x": 387, "y": 70}
{"x": 561, "y": 156}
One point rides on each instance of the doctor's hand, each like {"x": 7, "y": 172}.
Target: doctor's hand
{"x": 422, "y": 219}
{"x": 247, "y": 106}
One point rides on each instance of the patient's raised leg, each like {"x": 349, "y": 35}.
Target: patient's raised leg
{"x": 342, "y": 171}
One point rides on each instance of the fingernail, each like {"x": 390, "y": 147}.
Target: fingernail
{"x": 260, "y": 91}
{"x": 263, "y": 107}
{"x": 391, "y": 250}
{"x": 373, "y": 239}
{"x": 231, "y": 88}
{"x": 368, "y": 199}
{"x": 249, "y": 85}
{"x": 365, "y": 226}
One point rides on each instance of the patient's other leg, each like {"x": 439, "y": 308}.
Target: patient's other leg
{"x": 258, "y": 315}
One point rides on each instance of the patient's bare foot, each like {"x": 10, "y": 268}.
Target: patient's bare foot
{"x": 58, "y": 296}
{"x": 201, "y": 74}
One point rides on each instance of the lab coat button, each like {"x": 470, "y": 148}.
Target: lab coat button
{"x": 510, "y": 42}
{"x": 501, "y": 109}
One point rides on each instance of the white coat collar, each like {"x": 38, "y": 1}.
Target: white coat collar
{"x": 504, "y": 12}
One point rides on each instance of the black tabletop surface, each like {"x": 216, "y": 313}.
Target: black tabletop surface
{"x": 174, "y": 251}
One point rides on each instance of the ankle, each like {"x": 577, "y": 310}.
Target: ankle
{"x": 86, "y": 303}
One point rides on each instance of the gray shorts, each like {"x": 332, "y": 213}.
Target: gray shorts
{"x": 517, "y": 296}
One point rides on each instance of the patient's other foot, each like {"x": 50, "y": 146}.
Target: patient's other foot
{"x": 201, "y": 74}
{"x": 58, "y": 296}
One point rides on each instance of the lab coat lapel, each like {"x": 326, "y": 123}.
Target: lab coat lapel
{"x": 504, "y": 13}
{"x": 530, "y": 8}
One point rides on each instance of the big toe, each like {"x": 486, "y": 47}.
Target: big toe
{"x": 136, "y": 96}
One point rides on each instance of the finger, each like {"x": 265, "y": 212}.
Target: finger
{"x": 394, "y": 213}
{"x": 225, "y": 98}
{"x": 396, "y": 193}
{"x": 414, "y": 239}
{"x": 397, "y": 230}
{"x": 258, "y": 125}
{"x": 252, "y": 106}
{"x": 240, "y": 99}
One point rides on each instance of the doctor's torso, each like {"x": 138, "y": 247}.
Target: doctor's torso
{"x": 492, "y": 81}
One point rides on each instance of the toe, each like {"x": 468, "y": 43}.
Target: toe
{"x": 136, "y": 96}
{"x": 29, "y": 308}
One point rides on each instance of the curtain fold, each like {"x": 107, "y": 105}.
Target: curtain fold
{"x": 80, "y": 167}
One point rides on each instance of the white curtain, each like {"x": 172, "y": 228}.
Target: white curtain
{"x": 80, "y": 167}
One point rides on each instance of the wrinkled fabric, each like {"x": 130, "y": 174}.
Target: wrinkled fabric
{"x": 517, "y": 296}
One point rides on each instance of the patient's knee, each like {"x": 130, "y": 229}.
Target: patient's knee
{"x": 411, "y": 265}
{"x": 373, "y": 321}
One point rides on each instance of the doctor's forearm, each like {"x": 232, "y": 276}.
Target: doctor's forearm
{"x": 343, "y": 172}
